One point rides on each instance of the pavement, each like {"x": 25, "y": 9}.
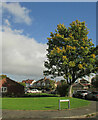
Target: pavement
{"x": 83, "y": 112}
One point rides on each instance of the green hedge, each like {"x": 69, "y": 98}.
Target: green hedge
{"x": 40, "y": 95}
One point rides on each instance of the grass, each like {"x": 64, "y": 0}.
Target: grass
{"x": 41, "y": 103}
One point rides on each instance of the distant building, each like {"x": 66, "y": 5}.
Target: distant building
{"x": 81, "y": 84}
{"x": 45, "y": 82}
{"x": 10, "y": 87}
{"x": 29, "y": 83}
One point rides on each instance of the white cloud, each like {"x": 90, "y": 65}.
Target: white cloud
{"x": 21, "y": 14}
{"x": 0, "y": 14}
{"x": 0, "y": 50}
{"x": 22, "y": 55}
{"x": 7, "y": 22}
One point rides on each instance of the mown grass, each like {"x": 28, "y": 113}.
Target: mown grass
{"x": 41, "y": 103}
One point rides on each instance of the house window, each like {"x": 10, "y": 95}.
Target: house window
{"x": 3, "y": 89}
{"x": 38, "y": 84}
{"x": 48, "y": 84}
{"x": 43, "y": 84}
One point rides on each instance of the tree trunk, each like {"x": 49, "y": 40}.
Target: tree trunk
{"x": 70, "y": 91}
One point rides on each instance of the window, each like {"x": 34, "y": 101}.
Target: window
{"x": 3, "y": 89}
{"x": 43, "y": 84}
{"x": 48, "y": 84}
{"x": 38, "y": 84}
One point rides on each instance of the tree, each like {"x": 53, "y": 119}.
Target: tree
{"x": 23, "y": 84}
{"x": 52, "y": 85}
{"x": 70, "y": 53}
{"x": 3, "y": 76}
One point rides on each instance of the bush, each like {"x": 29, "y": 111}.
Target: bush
{"x": 39, "y": 95}
{"x": 63, "y": 89}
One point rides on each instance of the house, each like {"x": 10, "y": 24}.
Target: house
{"x": 29, "y": 83}
{"x": 44, "y": 83}
{"x": 81, "y": 84}
{"x": 58, "y": 83}
{"x": 10, "y": 87}
{"x": 84, "y": 81}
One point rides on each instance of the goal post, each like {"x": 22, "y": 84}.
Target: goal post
{"x": 67, "y": 100}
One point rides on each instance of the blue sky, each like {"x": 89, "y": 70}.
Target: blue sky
{"x": 46, "y": 16}
{"x": 26, "y": 26}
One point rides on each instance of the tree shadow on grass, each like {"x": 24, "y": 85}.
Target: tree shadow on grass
{"x": 49, "y": 106}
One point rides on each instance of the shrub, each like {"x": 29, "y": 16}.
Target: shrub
{"x": 63, "y": 89}
{"x": 40, "y": 95}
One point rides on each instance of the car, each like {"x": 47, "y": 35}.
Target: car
{"x": 92, "y": 96}
{"x": 53, "y": 92}
{"x": 80, "y": 93}
{"x": 34, "y": 91}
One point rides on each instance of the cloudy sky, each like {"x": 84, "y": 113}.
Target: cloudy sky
{"x": 25, "y": 28}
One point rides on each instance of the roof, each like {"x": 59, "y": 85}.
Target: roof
{"x": 81, "y": 84}
{"x": 43, "y": 80}
{"x": 87, "y": 84}
{"x": 4, "y": 80}
{"x": 27, "y": 81}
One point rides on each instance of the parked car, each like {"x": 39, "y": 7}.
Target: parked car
{"x": 44, "y": 91}
{"x": 80, "y": 93}
{"x": 92, "y": 96}
{"x": 34, "y": 91}
{"x": 53, "y": 92}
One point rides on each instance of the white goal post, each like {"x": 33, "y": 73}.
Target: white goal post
{"x": 67, "y": 100}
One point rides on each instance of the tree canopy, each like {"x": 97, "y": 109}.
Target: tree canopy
{"x": 70, "y": 52}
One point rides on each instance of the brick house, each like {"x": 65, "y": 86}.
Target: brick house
{"x": 9, "y": 87}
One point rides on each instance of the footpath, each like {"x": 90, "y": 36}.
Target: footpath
{"x": 84, "y": 112}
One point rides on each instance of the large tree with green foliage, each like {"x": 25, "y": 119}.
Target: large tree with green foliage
{"x": 70, "y": 52}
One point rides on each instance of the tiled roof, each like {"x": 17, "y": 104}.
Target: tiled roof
{"x": 27, "y": 81}
{"x": 78, "y": 83}
{"x": 5, "y": 80}
{"x": 42, "y": 80}
{"x": 81, "y": 84}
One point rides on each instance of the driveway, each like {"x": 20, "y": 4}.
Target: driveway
{"x": 53, "y": 114}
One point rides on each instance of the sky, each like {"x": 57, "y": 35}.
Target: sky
{"x": 25, "y": 28}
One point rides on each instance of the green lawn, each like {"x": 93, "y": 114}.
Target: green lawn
{"x": 41, "y": 103}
